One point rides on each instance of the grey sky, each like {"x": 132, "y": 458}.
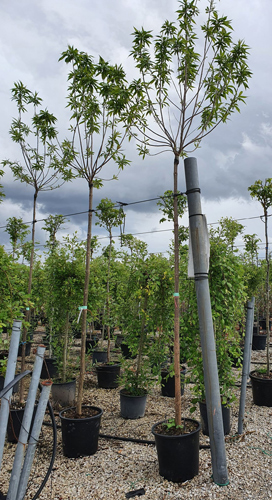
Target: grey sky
{"x": 33, "y": 35}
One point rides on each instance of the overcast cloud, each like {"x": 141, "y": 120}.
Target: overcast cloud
{"x": 32, "y": 37}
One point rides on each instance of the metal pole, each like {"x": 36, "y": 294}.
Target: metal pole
{"x": 246, "y": 362}
{"x": 23, "y": 436}
{"x": 10, "y": 372}
{"x": 212, "y": 391}
{"x": 33, "y": 439}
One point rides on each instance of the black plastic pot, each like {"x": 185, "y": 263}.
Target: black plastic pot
{"x": 100, "y": 357}
{"x": 178, "y": 455}
{"x": 132, "y": 406}
{"x": 258, "y": 342}
{"x": 107, "y": 376}
{"x": 64, "y": 393}
{"x": 27, "y": 349}
{"x": 262, "y": 324}
{"x": 226, "y": 413}
{"x": 126, "y": 352}
{"x": 91, "y": 344}
{"x": 14, "y": 423}
{"x": 168, "y": 383}
{"x": 80, "y": 435}
{"x": 49, "y": 368}
{"x": 261, "y": 389}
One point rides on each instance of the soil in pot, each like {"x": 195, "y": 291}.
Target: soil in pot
{"x": 64, "y": 393}
{"x": 132, "y": 406}
{"x": 226, "y": 413}
{"x": 259, "y": 342}
{"x": 178, "y": 454}
{"x": 168, "y": 383}
{"x": 261, "y": 388}
{"x": 80, "y": 434}
{"x": 107, "y": 375}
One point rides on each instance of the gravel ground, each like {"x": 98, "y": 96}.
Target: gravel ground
{"x": 119, "y": 467}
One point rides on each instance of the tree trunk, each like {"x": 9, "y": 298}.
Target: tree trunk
{"x": 267, "y": 294}
{"x": 108, "y": 299}
{"x": 27, "y": 314}
{"x": 85, "y": 303}
{"x": 65, "y": 348}
{"x": 176, "y": 301}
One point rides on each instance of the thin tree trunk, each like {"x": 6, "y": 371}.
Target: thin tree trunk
{"x": 65, "y": 348}
{"x": 27, "y": 314}
{"x": 142, "y": 337}
{"x": 85, "y": 303}
{"x": 176, "y": 301}
{"x": 267, "y": 294}
{"x": 108, "y": 300}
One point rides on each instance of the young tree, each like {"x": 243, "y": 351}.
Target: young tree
{"x": 97, "y": 95}
{"x": 182, "y": 95}
{"x": 17, "y": 231}
{"x": 108, "y": 216}
{"x": 42, "y": 168}
{"x": 262, "y": 191}
{"x": 228, "y": 230}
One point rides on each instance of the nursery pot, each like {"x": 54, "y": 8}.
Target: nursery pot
{"x": 91, "y": 343}
{"x": 100, "y": 357}
{"x": 226, "y": 412}
{"x": 132, "y": 406}
{"x": 27, "y": 349}
{"x": 261, "y": 389}
{"x": 262, "y": 324}
{"x": 107, "y": 376}
{"x": 178, "y": 455}
{"x": 168, "y": 383}
{"x": 258, "y": 342}
{"x": 80, "y": 435}
{"x": 126, "y": 352}
{"x": 14, "y": 423}
{"x": 49, "y": 368}
{"x": 64, "y": 393}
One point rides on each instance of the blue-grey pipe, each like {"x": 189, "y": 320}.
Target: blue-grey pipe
{"x": 199, "y": 239}
{"x": 246, "y": 363}
{"x": 24, "y": 431}
{"x": 35, "y": 433}
{"x": 10, "y": 372}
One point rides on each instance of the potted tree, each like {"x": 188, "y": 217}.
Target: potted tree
{"x": 108, "y": 217}
{"x": 261, "y": 379}
{"x": 97, "y": 95}
{"x": 207, "y": 90}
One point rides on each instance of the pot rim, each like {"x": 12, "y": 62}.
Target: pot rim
{"x": 80, "y": 419}
{"x": 167, "y": 436}
{"x": 253, "y": 375}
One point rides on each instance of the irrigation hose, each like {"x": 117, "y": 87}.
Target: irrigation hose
{"x": 54, "y": 425}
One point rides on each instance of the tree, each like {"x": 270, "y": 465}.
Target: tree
{"x": 97, "y": 95}
{"x": 262, "y": 191}
{"x": 228, "y": 230}
{"x": 182, "y": 96}
{"x": 108, "y": 216}
{"x": 42, "y": 167}
{"x": 17, "y": 231}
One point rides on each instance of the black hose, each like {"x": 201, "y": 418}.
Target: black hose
{"x": 53, "y": 424}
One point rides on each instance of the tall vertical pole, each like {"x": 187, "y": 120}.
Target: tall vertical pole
{"x": 211, "y": 380}
{"x": 10, "y": 373}
{"x": 24, "y": 431}
{"x": 246, "y": 362}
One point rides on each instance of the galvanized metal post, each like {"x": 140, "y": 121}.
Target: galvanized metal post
{"x": 211, "y": 380}
{"x": 246, "y": 362}
{"x": 33, "y": 439}
{"x": 23, "y": 436}
{"x": 10, "y": 373}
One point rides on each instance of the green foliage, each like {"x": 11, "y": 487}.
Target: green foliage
{"x": 227, "y": 231}
{"x": 187, "y": 92}
{"x": 17, "y": 231}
